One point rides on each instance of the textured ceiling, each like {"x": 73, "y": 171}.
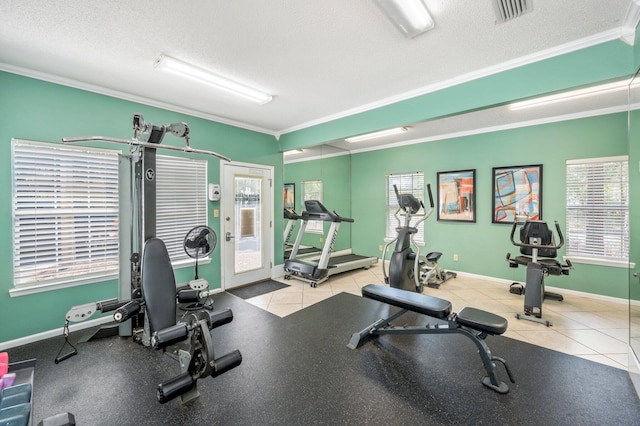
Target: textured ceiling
{"x": 320, "y": 59}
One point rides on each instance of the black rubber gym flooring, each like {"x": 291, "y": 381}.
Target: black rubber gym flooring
{"x": 297, "y": 370}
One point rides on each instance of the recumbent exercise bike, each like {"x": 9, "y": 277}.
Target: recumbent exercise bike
{"x": 539, "y": 250}
{"x": 407, "y": 269}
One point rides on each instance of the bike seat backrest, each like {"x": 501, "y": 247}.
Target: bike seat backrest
{"x": 537, "y": 232}
{"x": 158, "y": 285}
{"x": 409, "y": 203}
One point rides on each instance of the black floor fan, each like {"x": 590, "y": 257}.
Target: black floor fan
{"x": 200, "y": 242}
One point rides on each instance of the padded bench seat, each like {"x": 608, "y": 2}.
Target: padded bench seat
{"x": 416, "y": 302}
{"x": 482, "y": 321}
{"x": 473, "y": 323}
{"x": 435, "y": 307}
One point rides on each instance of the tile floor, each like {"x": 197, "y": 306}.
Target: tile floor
{"x": 586, "y": 327}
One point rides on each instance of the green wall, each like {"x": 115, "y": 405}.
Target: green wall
{"x": 335, "y": 174}
{"x": 33, "y": 109}
{"x": 37, "y": 110}
{"x": 482, "y": 246}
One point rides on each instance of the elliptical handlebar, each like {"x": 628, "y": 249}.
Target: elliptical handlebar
{"x": 536, "y": 246}
{"x": 560, "y": 236}
{"x": 427, "y": 213}
{"x": 430, "y": 196}
{"x": 395, "y": 188}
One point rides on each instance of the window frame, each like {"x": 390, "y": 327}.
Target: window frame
{"x": 414, "y": 183}
{"x": 170, "y": 218}
{"x": 40, "y": 173}
{"x": 576, "y": 210}
{"x": 313, "y": 226}
{"x": 170, "y": 202}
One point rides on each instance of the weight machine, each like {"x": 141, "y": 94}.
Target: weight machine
{"x": 146, "y": 305}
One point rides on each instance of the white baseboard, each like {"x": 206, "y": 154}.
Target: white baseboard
{"x": 563, "y": 291}
{"x": 278, "y": 271}
{"x": 55, "y": 332}
{"x": 72, "y": 327}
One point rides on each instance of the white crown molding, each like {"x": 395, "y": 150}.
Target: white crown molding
{"x": 316, "y": 157}
{"x": 563, "y": 49}
{"x": 633, "y": 15}
{"x": 490, "y": 129}
{"x": 630, "y": 23}
{"x": 129, "y": 97}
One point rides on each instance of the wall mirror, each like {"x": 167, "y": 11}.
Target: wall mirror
{"x": 325, "y": 170}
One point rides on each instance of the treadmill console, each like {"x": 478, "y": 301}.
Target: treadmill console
{"x": 409, "y": 203}
{"x": 314, "y": 210}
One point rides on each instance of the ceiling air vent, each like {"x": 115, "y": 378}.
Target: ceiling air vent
{"x": 510, "y": 9}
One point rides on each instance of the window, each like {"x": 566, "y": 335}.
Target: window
{"x": 181, "y": 201}
{"x": 65, "y": 213}
{"x": 312, "y": 190}
{"x": 412, "y": 183}
{"x": 598, "y": 210}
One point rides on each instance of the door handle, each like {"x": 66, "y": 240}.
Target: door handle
{"x": 636, "y": 274}
{"x": 228, "y": 236}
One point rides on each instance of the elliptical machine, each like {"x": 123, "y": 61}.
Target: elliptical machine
{"x": 540, "y": 250}
{"x": 407, "y": 269}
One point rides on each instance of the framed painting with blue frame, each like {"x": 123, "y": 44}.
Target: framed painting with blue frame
{"x": 517, "y": 193}
{"x": 457, "y": 196}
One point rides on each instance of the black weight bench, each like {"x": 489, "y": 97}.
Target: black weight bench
{"x": 473, "y": 323}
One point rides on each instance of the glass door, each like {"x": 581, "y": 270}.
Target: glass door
{"x": 247, "y": 224}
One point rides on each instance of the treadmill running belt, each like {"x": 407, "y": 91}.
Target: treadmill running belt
{"x": 333, "y": 261}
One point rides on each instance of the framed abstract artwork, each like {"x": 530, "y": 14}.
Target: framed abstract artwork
{"x": 289, "y": 195}
{"x": 517, "y": 193}
{"x": 457, "y": 196}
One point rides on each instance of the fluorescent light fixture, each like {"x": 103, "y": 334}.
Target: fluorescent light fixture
{"x": 167, "y": 63}
{"x": 411, "y": 17}
{"x": 571, "y": 95}
{"x": 293, "y": 151}
{"x": 374, "y": 135}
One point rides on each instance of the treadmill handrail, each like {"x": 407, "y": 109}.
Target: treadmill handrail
{"x": 291, "y": 214}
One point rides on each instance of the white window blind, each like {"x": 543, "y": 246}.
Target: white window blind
{"x": 598, "y": 209}
{"x": 312, "y": 190}
{"x": 181, "y": 201}
{"x": 411, "y": 183}
{"x": 65, "y": 213}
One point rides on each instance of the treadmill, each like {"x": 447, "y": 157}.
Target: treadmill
{"x": 316, "y": 271}
{"x": 292, "y": 217}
